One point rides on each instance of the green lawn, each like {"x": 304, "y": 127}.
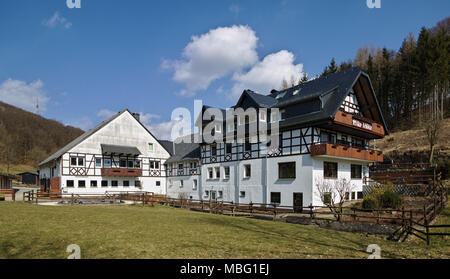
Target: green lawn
{"x": 33, "y": 231}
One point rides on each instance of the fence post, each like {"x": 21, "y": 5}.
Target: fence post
{"x": 71, "y": 199}
{"x": 274, "y": 211}
{"x": 403, "y": 216}
{"x": 311, "y": 211}
{"x": 425, "y": 222}
{"x": 251, "y": 208}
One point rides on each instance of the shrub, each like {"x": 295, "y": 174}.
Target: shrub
{"x": 370, "y": 202}
{"x": 390, "y": 199}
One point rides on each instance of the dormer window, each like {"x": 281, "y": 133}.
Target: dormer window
{"x": 296, "y": 92}
{"x": 281, "y": 95}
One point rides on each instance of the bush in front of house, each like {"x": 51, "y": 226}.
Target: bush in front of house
{"x": 390, "y": 199}
{"x": 382, "y": 197}
{"x": 370, "y": 202}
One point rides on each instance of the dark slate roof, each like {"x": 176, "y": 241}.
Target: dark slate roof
{"x": 120, "y": 149}
{"x": 168, "y": 145}
{"x": 87, "y": 134}
{"x": 28, "y": 172}
{"x": 264, "y": 101}
{"x": 331, "y": 90}
{"x": 185, "y": 152}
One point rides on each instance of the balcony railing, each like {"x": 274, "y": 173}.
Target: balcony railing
{"x": 124, "y": 172}
{"x": 358, "y": 122}
{"x": 183, "y": 171}
{"x": 346, "y": 150}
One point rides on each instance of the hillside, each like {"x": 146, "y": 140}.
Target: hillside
{"x": 27, "y": 138}
{"x": 412, "y": 146}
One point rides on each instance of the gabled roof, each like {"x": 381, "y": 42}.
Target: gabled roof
{"x": 185, "y": 152}
{"x": 89, "y": 133}
{"x": 329, "y": 91}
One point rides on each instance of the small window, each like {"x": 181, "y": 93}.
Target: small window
{"x": 227, "y": 172}
{"x": 156, "y": 164}
{"x": 262, "y": 116}
{"x": 81, "y": 184}
{"x": 98, "y": 163}
{"x": 220, "y": 194}
{"x": 330, "y": 169}
{"x": 207, "y": 193}
{"x": 242, "y": 194}
{"x": 152, "y": 164}
{"x": 347, "y": 196}
{"x": 104, "y": 183}
{"x": 80, "y": 161}
{"x": 123, "y": 163}
{"x": 353, "y": 195}
{"x": 282, "y": 114}
{"x": 107, "y": 163}
{"x": 137, "y": 164}
{"x": 210, "y": 173}
{"x": 181, "y": 183}
{"x": 194, "y": 184}
{"x": 213, "y": 150}
{"x": 326, "y": 198}
{"x": 356, "y": 171}
{"x": 126, "y": 183}
{"x": 73, "y": 161}
{"x": 69, "y": 183}
{"x": 218, "y": 128}
{"x": 158, "y": 183}
{"x": 286, "y": 170}
{"x": 360, "y": 195}
{"x": 228, "y": 148}
{"x": 217, "y": 169}
{"x": 130, "y": 164}
{"x": 275, "y": 197}
{"x": 114, "y": 183}
{"x": 150, "y": 147}
{"x": 137, "y": 184}
{"x": 247, "y": 171}
{"x": 94, "y": 183}
{"x": 180, "y": 166}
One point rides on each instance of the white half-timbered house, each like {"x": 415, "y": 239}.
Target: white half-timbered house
{"x": 324, "y": 131}
{"x": 119, "y": 154}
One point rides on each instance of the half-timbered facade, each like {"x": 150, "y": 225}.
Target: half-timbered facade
{"x": 119, "y": 154}
{"x": 324, "y": 131}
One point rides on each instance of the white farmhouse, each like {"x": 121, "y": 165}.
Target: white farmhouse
{"x": 119, "y": 154}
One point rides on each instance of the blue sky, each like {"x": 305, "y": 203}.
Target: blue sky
{"x": 83, "y": 64}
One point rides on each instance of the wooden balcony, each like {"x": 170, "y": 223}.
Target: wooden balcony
{"x": 359, "y": 123}
{"x": 345, "y": 151}
{"x": 123, "y": 172}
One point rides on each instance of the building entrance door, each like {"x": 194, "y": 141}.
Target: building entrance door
{"x": 298, "y": 202}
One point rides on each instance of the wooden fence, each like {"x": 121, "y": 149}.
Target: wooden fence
{"x": 8, "y": 193}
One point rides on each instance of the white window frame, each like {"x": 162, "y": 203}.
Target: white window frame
{"x": 217, "y": 169}
{"x": 210, "y": 171}
{"x": 194, "y": 184}
{"x": 151, "y": 147}
{"x": 262, "y": 116}
{"x": 218, "y": 128}
{"x": 227, "y": 176}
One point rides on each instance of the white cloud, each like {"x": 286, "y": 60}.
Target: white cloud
{"x": 56, "y": 20}
{"x": 267, "y": 74}
{"x": 145, "y": 118}
{"x": 213, "y": 55}
{"x": 24, "y": 95}
{"x": 106, "y": 113}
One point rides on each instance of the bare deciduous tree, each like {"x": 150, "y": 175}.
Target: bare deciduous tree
{"x": 333, "y": 194}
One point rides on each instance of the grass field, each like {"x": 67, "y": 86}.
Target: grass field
{"x": 33, "y": 231}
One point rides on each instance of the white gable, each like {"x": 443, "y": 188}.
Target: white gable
{"x": 124, "y": 130}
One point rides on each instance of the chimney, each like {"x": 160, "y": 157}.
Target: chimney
{"x": 137, "y": 116}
